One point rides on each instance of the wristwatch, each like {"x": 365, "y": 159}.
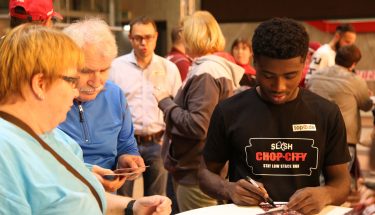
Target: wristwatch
{"x": 129, "y": 208}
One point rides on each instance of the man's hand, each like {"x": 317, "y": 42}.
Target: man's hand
{"x": 131, "y": 161}
{"x": 243, "y": 192}
{"x": 155, "y": 205}
{"x": 309, "y": 200}
{"x": 109, "y": 186}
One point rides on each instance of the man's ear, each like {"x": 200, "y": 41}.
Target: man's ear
{"x": 48, "y": 22}
{"x": 156, "y": 35}
{"x": 337, "y": 36}
{"x": 38, "y": 86}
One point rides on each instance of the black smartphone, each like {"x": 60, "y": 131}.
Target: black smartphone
{"x": 129, "y": 173}
{"x": 110, "y": 177}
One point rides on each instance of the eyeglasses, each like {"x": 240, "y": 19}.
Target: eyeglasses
{"x": 92, "y": 71}
{"x": 73, "y": 81}
{"x": 146, "y": 38}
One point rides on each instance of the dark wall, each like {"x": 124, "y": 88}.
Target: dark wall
{"x": 259, "y": 10}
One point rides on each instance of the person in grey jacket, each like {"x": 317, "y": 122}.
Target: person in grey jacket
{"x": 210, "y": 80}
{"x": 339, "y": 84}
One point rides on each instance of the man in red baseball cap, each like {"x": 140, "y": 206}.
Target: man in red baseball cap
{"x": 39, "y": 11}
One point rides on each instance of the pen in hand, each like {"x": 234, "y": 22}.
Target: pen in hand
{"x": 268, "y": 199}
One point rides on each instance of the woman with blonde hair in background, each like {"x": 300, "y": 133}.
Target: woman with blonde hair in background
{"x": 210, "y": 80}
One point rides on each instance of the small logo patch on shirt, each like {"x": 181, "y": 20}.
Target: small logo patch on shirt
{"x": 304, "y": 127}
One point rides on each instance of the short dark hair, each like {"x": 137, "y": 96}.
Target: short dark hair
{"x": 343, "y": 28}
{"x": 280, "y": 38}
{"x": 347, "y": 55}
{"x": 142, "y": 20}
{"x": 176, "y": 34}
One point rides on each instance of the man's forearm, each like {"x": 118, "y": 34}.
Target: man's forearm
{"x": 338, "y": 184}
{"x": 338, "y": 193}
{"x": 213, "y": 185}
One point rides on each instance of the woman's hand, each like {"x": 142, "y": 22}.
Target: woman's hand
{"x": 155, "y": 205}
{"x": 110, "y": 186}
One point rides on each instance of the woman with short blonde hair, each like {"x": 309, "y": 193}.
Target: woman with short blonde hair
{"x": 32, "y": 50}
{"x": 202, "y": 34}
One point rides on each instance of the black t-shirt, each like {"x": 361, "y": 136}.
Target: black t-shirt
{"x": 283, "y": 146}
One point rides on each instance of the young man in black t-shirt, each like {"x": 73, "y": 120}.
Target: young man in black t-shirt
{"x": 278, "y": 134}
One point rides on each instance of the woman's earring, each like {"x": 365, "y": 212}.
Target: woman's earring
{"x": 40, "y": 96}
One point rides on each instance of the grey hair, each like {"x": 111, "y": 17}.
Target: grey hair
{"x": 93, "y": 32}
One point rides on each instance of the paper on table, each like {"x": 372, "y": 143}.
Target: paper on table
{"x": 242, "y": 210}
{"x": 334, "y": 210}
{"x": 224, "y": 210}
{"x": 273, "y": 211}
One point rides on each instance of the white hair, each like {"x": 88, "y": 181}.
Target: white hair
{"x": 93, "y": 32}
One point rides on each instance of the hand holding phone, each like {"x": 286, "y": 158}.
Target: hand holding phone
{"x": 109, "y": 185}
{"x": 129, "y": 173}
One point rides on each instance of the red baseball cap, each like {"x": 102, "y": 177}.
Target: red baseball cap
{"x": 36, "y": 9}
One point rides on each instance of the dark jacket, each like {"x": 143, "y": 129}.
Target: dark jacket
{"x": 211, "y": 79}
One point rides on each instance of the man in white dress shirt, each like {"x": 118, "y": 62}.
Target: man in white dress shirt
{"x": 138, "y": 74}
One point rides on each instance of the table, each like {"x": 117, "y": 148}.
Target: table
{"x": 233, "y": 209}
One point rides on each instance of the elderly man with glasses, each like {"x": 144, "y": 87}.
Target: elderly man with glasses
{"x": 100, "y": 119}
